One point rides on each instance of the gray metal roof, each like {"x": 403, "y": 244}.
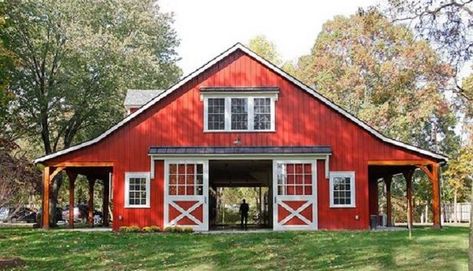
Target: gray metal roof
{"x": 242, "y": 150}
{"x": 139, "y": 97}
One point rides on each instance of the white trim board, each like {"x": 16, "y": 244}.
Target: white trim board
{"x": 269, "y": 65}
{"x": 209, "y": 157}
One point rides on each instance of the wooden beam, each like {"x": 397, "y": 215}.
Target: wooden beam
{"x": 72, "y": 179}
{"x": 426, "y": 171}
{"x": 45, "y": 211}
{"x": 55, "y": 172}
{"x": 389, "y": 207}
{"x": 90, "y": 214}
{"x": 106, "y": 198}
{"x": 436, "y": 196}
{"x": 399, "y": 162}
{"x": 83, "y": 164}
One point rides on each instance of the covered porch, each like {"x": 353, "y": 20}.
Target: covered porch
{"x": 94, "y": 172}
{"x": 384, "y": 171}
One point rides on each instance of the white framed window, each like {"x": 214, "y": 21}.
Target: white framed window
{"x": 186, "y": 178}
{"x": 294, "y": 178}
{"x": 342, "y": 189}
{"x": 216, "y": 114}
{"x": 262, "y": 113}
{"x": 239, "y": 112}
{"x": 137, "y": 190}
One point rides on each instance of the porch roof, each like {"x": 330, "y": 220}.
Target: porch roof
{"x": 242, "y": 150}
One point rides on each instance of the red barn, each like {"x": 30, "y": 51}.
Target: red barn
{"x": 241, "y": 121}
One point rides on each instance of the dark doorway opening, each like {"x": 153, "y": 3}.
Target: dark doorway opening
{"x": 231, "y": 181}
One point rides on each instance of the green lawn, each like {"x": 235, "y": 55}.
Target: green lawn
{"x": 429, "y": 249}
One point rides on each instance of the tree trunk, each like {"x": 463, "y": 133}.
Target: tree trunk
{"x": 56, "y": 185}
{"x": 470, "y": 249}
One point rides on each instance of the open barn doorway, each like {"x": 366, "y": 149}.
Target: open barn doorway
{"x": 231, "y": 181}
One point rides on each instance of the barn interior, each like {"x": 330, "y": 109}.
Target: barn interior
{"x": 232, "y": 180}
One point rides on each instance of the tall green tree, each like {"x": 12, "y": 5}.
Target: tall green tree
{"x": 7, "y": 64}
{"x": 379, "y": 72}
{"x": 265, "y": 48}
{"x": 18, "y": 178}
{"x": 77, "y": 58}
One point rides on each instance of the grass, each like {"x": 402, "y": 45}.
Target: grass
{"x": 429, "y": 249}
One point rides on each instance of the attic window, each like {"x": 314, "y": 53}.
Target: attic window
{"x": 241, "y": 111}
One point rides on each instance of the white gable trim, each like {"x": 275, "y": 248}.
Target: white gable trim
{"x": 268, "y": 64}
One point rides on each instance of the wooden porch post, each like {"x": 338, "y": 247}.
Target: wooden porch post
{"x": 436, "y": 196}
{"x": 45, "y": 211}
{"x": 388, "y": 181}
{"x": 408, "y": 177}
{"x": 434, "y": 177}
{"x": 106, "y": 196}
{"x": 90, "y": 215}
{"x": 72, "y": 180}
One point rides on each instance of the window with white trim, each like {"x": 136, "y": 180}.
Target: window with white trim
{"x": 137, "y": 189}
{"x": 216, "y": 113}
{"x": 186, "y": 179}
{"x": 294, "y": 178}
{"x": 342, "y": 189}
{"x": 262, "y": 111}
{"x": 239, "y": 112}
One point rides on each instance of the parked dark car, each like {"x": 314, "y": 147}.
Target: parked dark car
{"x": 58, "y": 214}
{"x": 23, "y": 214}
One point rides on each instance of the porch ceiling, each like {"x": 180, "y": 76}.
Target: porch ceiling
{"x": 383, "y": 171}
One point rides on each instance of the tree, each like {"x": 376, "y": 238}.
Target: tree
{"x": 77, "y": 58}
{"x": 379, "y": 72}
{"x": 467, "y": 87}
{"x": 18, "y": 177}
{"x": 265, "y": 48}
{"x": 7, "y": 64}
{"x": 446, "y": 24}
{"x": 459, "y": 175}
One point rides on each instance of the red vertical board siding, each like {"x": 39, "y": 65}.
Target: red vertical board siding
{"x": 301, "y": 119}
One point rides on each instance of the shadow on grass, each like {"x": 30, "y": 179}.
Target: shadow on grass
{"x": 429, "y": 249}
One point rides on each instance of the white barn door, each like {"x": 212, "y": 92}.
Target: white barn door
{"x": 294, "y": 195}
{"x": 185, "y": 194}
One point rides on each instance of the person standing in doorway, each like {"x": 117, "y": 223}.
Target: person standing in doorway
{"x": 244, "y": 208}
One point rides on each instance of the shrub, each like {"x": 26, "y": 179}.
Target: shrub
{"x": 130, "y": 229}
{"x": 170, "y": 229}
{"x": 186, "y": 229}
{"x": 178, "y": 229}
{"x": 151, "y": 229}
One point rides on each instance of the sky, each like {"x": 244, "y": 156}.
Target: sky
{"x": 208, "y": 27}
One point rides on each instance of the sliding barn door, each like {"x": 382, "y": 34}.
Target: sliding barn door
{"x": 186, "y": 191}
{"x": 294, "y": 195}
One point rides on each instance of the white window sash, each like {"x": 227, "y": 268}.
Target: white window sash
{"x": 128, "y": 176}
{"x": 342, "y": 174}
{"x": 250, "y": 112}
{"x": 228, "y": 114}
